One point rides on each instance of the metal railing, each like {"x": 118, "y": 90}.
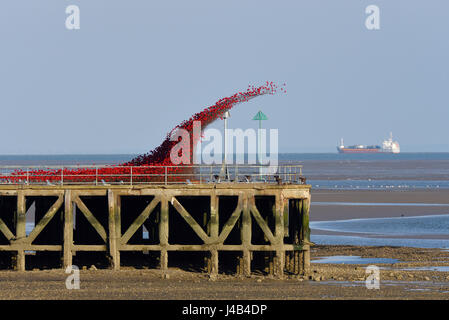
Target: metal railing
{"x": 137, "y": 175}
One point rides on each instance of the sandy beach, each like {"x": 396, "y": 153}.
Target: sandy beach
{"x": 326, "y": 281}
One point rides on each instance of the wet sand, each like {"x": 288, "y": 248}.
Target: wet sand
{"x": 334, "y": 212}
{"x": 394, "y": 196}
{"x": 325, "y": 281}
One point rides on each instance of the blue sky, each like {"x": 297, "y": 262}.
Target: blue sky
{"x": 135, "y": 69}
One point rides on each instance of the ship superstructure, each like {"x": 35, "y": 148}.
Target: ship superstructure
{"x": 390, "y": 146}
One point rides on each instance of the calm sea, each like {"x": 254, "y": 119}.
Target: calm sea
{"x": 322, "y": 170}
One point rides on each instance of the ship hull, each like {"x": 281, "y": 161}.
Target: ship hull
{"x": 346, "y": 150}
{"x": 388, "y": 146}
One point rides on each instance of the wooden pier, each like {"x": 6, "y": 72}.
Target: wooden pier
{"x": 243, "y": 226}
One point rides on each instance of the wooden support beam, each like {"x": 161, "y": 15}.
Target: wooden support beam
{"x": 214, "y": 232}
{"x": 190, "y": 221}
{"x": 91, "y": 218}
{"x": 118, "y": 221}
{"x": 139, "y": 220}
{"x": 114, "y": 253}
{"x": 261, "y": 222}
{"x": 90, "y": 247}
{"x": 278, "y": 212}
{"x": 229, "y": 225}
{"x": 306, "y": 234}
{"x": 68, "y": 229}
{"x": 197, "y": 247}
{"x": 298, "y": 235}
{"x": 163, "y": 233}
{"x": 5, "y": 230}
{"x": 20, "y": 229}
{"x": 279, "y": 263}
{"x": 30, "y": 247}
{"x": 279, "y": 236}
{"x": 8, "y": 192}
{"x": 305, "y": 229}
{"x": 45, "y": 219}
{"x": 288, "y": 260}
{"x": 271, "y": 263}
{"x": 285, "y": 205}
{"x": 296, "y": 262}
{"x": 246, "y": 236}
{"x": 214, "y": 262}
{"x": 214, "y": 220}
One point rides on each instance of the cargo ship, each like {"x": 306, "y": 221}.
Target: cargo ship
{"x": 388, "y": 146}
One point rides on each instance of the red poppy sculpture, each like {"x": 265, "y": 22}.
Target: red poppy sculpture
{"x": 152, "y": 167}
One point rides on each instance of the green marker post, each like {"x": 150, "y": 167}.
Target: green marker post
{"x": 260, "y": 116}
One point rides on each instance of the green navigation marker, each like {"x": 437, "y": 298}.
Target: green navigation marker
{"x": 260, "y": 116}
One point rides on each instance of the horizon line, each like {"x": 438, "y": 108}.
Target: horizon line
{"x": 136, "y": 154}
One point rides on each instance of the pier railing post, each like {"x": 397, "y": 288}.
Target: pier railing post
{"x": 68, "y": 229}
